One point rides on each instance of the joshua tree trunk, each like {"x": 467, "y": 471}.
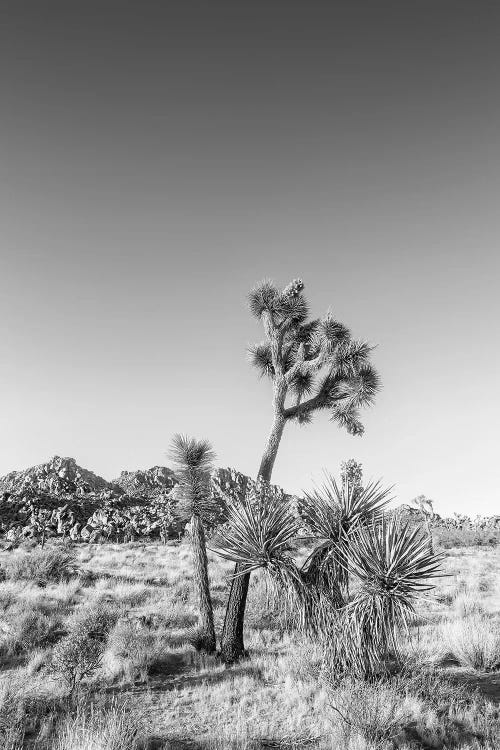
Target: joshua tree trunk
{"x": 429, "y": 533}
{"x": 206, "y": 615}
{"x": 273, "y": 442}
{"x": 232, "y": 644}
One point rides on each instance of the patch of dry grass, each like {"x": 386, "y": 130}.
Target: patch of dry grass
{"x": 276, "y": 698}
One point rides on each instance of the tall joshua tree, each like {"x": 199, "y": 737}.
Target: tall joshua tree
{"x": 313, "y": 365}
{"x": 193, "y": 462}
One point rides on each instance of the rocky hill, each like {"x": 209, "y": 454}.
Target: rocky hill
{"x": 57, "y": 476}
{"x": 148, "y": 483}
{"x": 60, "y": 498}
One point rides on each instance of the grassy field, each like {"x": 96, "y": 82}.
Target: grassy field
{"x": 149, "y": 688}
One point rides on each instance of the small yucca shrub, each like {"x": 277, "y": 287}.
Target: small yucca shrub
{"x": 393, "y": 566}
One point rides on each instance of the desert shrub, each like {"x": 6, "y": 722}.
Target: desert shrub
{"x": 23, "y": 711}
{"x": 465, "y": 537}
{"x": 11, "y": 718}
{"x": 114, "y": 728}
{"x": 466, "y": 605}
{"x": 474, "y": 641}
{"x": 79, "y": 654}
{"x": 26, "y": 629}
{"x": 135, "y": 651}
{"x": 33, "y": 630}
{"x": 374, "y": 712}
{"x": 42, "y": 566}
{"x": 95, "y": 622}
{"x": 76, "y": 657}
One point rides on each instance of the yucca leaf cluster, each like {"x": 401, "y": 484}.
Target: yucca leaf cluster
{"x": 193, "y": 460}
{"x": 333, "y": 514}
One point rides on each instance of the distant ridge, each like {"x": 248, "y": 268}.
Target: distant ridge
{"x": 56, "y": 476}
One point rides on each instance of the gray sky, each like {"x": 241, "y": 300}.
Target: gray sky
{"x": 159, "y": 159}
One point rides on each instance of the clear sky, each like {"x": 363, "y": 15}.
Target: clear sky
{"x": 159, "y": 159}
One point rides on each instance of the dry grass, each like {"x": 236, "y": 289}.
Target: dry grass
{"x": 474, "y": 640}
{"x": 281, "y": 697}
{"x": 94, "y": 728}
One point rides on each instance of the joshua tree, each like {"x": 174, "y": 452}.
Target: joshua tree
{"x": 313, "y": 365}
{"x": 193, "y": 462}
{"x": 426, "y": 508}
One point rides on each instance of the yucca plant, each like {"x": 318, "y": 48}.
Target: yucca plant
{"x": 313, "y": 365}
{"x": 332, "y": 514}
{"x": 351, "y": 535}
{"x": 393, "y": 566}
{"x": 193, "y": 460}
{"x": 259, "y": 535}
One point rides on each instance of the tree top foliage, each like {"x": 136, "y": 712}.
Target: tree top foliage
{"x": 314, "y": 363}
{"x": 193, "y": 460}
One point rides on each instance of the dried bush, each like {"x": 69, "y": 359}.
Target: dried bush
{"x": 375, "y": 712}
{"x": 76, "y": 657}
{"x": 79, "y": 654}
{"x": 23, "y": 711}
{"x": 95, "y": 622}
{"x": 135, "y": 651}
{"x": 114, "y": 728}
{"x": 33, "y": 630}
{"x": 474, "y": 641}
{"x": 42, "y": 566}
{"x": 25, "y": 629}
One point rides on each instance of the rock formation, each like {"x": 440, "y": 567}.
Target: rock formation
{"x": 60, "y": 498}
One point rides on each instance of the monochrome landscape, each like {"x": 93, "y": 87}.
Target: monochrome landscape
{"x": 249, "y": 307}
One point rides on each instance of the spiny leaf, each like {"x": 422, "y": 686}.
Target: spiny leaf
{"x": 258, "y": 534}
{"x": 193, "y": 460}
{"x": 263, "y": 297}
{"x": 302, "y": 384}
{"x": 260, "y": 356}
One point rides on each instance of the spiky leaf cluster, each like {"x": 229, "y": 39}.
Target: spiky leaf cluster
{"x": 193, "y": 461}
{"x": 332, "y": 514}
{"x": 393, "y": 566}
{"x": 259, "y": 534}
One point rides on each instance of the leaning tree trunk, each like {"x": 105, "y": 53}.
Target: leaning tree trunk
{"x": 232, "y": 643}
{"x": 202, "y": 587}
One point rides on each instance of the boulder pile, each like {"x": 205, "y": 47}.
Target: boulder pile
{"x": 61, "y": 499}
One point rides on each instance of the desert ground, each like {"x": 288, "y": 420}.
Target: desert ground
{"x": 149, "y": 688}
